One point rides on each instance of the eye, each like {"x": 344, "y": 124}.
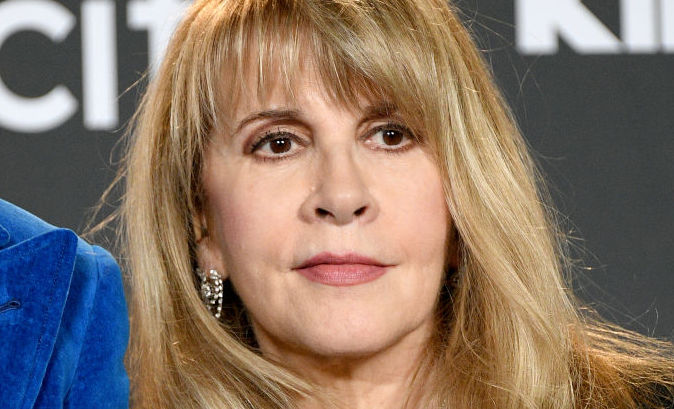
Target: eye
{"x": 276, "y": 145}
{"x": 391, "y": 137}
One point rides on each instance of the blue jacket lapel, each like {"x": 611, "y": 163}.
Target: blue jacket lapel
{"x": 35, "y": 277}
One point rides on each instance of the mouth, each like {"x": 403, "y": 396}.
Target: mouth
{"x": 341, "y": 270}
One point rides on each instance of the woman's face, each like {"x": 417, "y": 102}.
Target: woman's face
{"x": 331, "y": 224}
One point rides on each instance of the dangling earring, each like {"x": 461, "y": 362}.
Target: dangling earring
{"x": 211, "y": 290}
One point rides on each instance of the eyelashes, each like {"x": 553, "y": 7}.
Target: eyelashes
{"x": 392, "y": 132}
{"x": 390, "y": 138}
{"x": 287, "y": 138}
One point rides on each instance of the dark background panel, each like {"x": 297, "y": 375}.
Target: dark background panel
{"x": 602, "y": 128}
{"x": 599, "y": 123}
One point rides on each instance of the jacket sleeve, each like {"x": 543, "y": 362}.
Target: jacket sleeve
{"x": 100, "y": 379}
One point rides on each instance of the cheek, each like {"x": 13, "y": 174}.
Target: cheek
{"x": 416, "y": 210}
{"x": 251, "y": 217}
{"x": 415, "y": 220}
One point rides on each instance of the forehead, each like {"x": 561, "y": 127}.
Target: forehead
{"x": 299, "y": 65}
{"x": 305, "y": 92}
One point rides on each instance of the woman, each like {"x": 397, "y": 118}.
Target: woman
{"x": 342, "y": 185}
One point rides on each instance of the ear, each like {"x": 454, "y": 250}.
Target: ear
{"x": 209, "y": 253}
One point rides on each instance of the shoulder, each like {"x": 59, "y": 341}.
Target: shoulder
{"x": 17, "y": 225}
{"x": 37, "y": 250}
{"x": 63, "y": 317}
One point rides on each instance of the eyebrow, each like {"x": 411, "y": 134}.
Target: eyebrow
{"x": 379, "y": 110}
{"x": 374, "y": 111}
{"x": 287, "y": 114}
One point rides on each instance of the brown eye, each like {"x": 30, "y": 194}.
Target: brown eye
{"x": 392, "y": 137}
{"x": 280, "y": 145}
{"x": 277, "y": 145}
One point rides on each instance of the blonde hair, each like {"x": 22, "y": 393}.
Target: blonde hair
{"x": 510, "y": 334}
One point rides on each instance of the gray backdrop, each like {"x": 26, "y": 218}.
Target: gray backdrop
{"x": 590, "y": 82}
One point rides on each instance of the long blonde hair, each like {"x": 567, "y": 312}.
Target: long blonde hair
{"x": 510, "y": 334}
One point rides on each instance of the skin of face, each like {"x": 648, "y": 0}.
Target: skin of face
{"x": 326, "y": 179}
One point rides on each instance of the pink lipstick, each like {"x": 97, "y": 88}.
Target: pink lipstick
{"x": 341, "y": 270}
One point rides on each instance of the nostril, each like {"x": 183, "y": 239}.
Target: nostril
{"x": 323, "y": 213}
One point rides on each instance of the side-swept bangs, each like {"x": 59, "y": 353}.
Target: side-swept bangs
{"x": 376, "y": 51}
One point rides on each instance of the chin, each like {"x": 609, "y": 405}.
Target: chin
{"x": 354, "y": 328}
{"x": 350, "y": 340}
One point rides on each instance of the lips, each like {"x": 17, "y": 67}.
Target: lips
{"x": 341, "y": 270}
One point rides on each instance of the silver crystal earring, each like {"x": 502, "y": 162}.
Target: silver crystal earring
{"x": 211, "y": 290}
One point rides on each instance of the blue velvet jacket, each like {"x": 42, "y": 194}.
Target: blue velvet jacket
{"x": 63, "y": 319}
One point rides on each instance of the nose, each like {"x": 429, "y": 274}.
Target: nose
{"x": 340, "y": 193}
